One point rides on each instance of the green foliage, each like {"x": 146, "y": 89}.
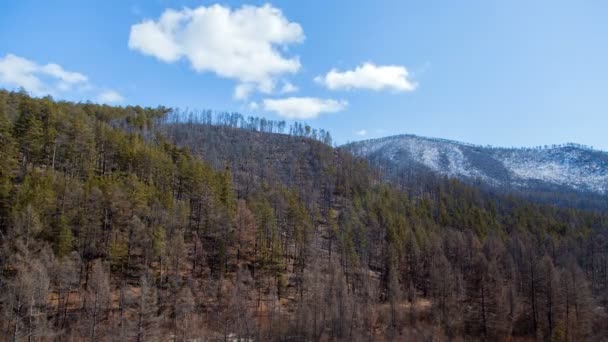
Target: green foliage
{"x": 224, "y": 191}
{"x": 38, "y": 190}
{"x": 28, "y": 129}
{"x": 267, "y": 240}
{"x": 65, "y": 238}
{"x": 118, "y": 252}
{"x": 159, "y": 241}
{"x": 298, "y": 219}
{"x": 8, "y": 162}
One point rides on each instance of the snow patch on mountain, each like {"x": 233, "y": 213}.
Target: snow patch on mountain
{"x": 571, "y": 166}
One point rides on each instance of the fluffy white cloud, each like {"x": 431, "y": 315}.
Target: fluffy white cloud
{"x": 361, "y": 133}
{"x": 303, "y": 107}
{"x": 49, "y": 79}
{"x": 109, "y": 96}
{"x": 369, "y": 76}
{"x": 241, "y": 44}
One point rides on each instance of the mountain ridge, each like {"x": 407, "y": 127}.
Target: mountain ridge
{"x": 464, "y": 143}
{"x": 569, "y": 166}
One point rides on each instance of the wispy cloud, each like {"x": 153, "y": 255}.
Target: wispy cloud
{"x": 109, "y": 97}
{"x": 288, "y": 88}
{"x": 48, "y": 79}
{"x": 361, "y": 133}
{"x": 303, "y": 107}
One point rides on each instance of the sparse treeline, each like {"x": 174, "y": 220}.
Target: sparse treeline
{"x": 114, "y": 228}
{"x": 504, "y": 149}
{"x": 252, "y": 123}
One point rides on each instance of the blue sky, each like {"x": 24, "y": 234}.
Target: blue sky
{"x": 505, "y": 73}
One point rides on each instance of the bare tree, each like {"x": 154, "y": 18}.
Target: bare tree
{"x": 98, "y": 299}
{"x": 147, "y": 311}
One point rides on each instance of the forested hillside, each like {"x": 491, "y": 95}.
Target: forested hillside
{"x": 122, "y": 223}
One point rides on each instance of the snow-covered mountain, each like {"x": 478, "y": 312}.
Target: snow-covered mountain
{"x": 567, "y": 167}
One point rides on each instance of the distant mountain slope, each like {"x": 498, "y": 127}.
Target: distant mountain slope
{"x": 561, "y": 168}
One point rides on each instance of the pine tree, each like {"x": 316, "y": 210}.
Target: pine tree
{"x": 29, "y": 133}
{"x": 65, "y": 238}
{"x": 8, "y": 163}
{"x": 226, "y": 192}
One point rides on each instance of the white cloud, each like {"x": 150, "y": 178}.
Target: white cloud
{"x": 242, "y": 91}
{"x": 303, "y": 107}
{"x": 58, "y": 72}
{"x": 361, "y": 133}
{"x": 109, "y": 96}
{"x": 241, "y": 44}
{"x": 369, "y": 76}
{"x": 289, "y": 88}
{"x": 49, "y": 79}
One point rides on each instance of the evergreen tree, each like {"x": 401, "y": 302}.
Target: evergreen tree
{"x": 29, "y": 133}
{"x": 8, "y": 162}
{"x": 65, "y": 238}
